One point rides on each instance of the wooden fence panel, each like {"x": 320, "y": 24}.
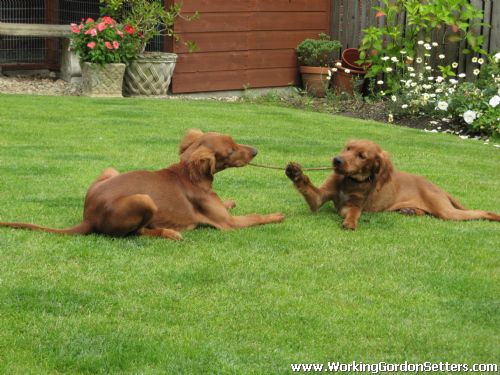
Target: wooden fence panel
{"x": 350, "y": 17}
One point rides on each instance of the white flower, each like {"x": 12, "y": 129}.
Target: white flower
{"x": 413, "y": 84}
{"x": 454, "y": 65}
{"x": 439, "y": 91}
{"x": 329, "y": 77}
{"x": 385, "y": 58}
{"x": 427, "y": 54}
{"x": 435, "y": 44}
{"x": 497, "y": 57}
{"x": 480, "y": 61}
{"x": 427, "y": 87}
{"x": 413, "y": 75}
{"x": 427, "y": 46}
{"x": 441, "y": 56}
{"x": 338, "y": 64}
{"x": 380, "y": 82}
{"x": 347, "y": 71}
{"x": 390, "y": 118}
{"x": 453, "y": 81}
{"x": 428, "y": 67}
{"x": 394, "y": 59}
{"x": 439, "y": 79}
{"x": 388, "y": 69}
{"x": 443, "y": 106}
{"x": 411, "y": 68}
{"x": 462, "y": 75}
{"x": 494, "y": 101}
{"x": 476, "y": 72}
{"x": 430, "y": 78}
{"x": 404, "y": 106}
{"x": 474, "y": 59}
{"x": 425, "y": 97}
{"x": 329, "y": 74}
{"x": 420, "y": 42}
{"x": 403, "y": 52}
{"x": 334, "y": 70}
{"x": 419, "y": 60}
{"x": 409, "y": 58}
{"x": 469, "y": 116}
{"x": 393, "y": 98}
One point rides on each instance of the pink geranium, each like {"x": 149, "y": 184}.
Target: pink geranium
{"x": 108, "y": 20}
{"x": 91, "y": 45}
{"x": 116, "y": 44}
{"x": 92, "y": 32}
{"x": 101, "y": 26}
{"x": 89, "y": 20}
{"x": 74, "y": 28}
{"x": 108, "y": 45}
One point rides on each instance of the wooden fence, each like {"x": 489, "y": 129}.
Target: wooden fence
{"x": 350, "y": 17}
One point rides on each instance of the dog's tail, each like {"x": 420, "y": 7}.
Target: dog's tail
{"x": 83, "y": 228}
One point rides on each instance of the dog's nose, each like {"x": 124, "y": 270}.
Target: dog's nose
{"x": 254, "y": 152}
{"x": 337, "y": 161}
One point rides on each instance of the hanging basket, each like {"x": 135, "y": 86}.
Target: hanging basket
{"x": 149, "y": 74}
{"x": 102, "y": 80}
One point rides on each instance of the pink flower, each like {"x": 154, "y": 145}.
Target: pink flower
{"x": 101, "y": 26}
{"x": 108, "y": 45}
{"x": 89, "y": 20}
{"x": 91, "y": 45}
{"x": 92, "y": 32}
{"x": 108, "y": 20}
{"x": 116, "y": 44}
{"x": 119, "y": 33}
{"x": 74, "y": 28}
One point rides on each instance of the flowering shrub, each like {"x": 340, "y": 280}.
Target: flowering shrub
{"x": 104, "y": 41}
{"x": 416, "y": 88}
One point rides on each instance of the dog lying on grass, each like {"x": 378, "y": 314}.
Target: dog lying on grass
{"x": 168, "y": 201}
{"x": 365, "y": 180}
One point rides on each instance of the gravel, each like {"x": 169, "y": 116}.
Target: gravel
{"x": 38, "y": 84}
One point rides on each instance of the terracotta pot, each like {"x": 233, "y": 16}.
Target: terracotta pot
{"x": 349, "y": 58}
{"x": 315, "y": 80}
{"x": 348, "y": 80}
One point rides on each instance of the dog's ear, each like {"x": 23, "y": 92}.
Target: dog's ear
{"x": 189, "y": 139}
{"x": 201, "y": 164}
{"x": 383, "y": 168}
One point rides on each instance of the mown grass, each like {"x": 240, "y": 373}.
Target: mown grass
{"x": 245, "y": 302}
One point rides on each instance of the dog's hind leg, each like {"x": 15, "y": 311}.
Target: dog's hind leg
{"x": 127, "y": 215}
{"x": 161, "y": 232}
{"x": 462, "y": 215}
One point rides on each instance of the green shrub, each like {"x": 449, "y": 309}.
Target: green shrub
{"x": 317, "y": 52}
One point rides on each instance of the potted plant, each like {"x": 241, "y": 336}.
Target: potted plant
{"x": 103, "y": 47}
{"x": 150, "y": 72}
{"x": 315, "y": 57}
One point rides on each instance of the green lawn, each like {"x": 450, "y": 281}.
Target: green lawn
{"x": 251, "y": 301}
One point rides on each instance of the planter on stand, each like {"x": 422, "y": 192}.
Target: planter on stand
{"x": 315, "y": 80}
{"x": 102, "y": 80}
{"x": 149, "y": 74}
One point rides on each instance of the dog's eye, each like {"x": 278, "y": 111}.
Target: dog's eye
{"x": 362, "y": 156}
{"x": 348, "y": 149}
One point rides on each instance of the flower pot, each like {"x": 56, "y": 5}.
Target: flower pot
{"x": 315, "y": 80}
{"x": 149, "y": 74}
{"x": 102, "y": 80}
{"x": 348, "y": 80}
{"x": 349, "y": 58}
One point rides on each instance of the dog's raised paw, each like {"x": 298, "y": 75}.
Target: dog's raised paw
{"x": 294, "y": 171}
{"x": 349, "y": 225}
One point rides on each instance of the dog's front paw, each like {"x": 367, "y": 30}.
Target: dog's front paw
{"x": 277, "y": 217}
{"x": 294, "y": 171}
{"x": 349, "y": 225}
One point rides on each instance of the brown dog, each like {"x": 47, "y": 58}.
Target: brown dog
{"x": 365, "y": 180}
{"x": 167, "y": 201}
